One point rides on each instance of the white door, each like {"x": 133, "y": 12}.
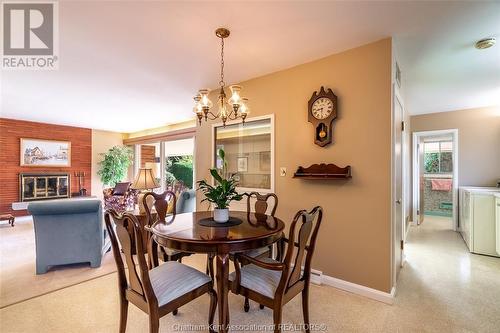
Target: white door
{"x": 421, "y": 181}
{"x": 398, "y": 185}
{"x": 497, "y": 218}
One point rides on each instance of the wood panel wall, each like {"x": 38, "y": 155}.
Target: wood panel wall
{"x": 11, "y": 131}
{"x": 148, "y": 155}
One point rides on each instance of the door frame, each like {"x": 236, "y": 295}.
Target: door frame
{"x": 416, "y": 172}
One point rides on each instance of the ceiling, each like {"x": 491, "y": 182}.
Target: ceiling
{"x": 128, "y": 66}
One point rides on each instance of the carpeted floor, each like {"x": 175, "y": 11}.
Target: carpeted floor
{"x": 442, "y": 288}
{"x": 18, "y": 280}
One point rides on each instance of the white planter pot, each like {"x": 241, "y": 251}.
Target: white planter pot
{"x": 221, "y": 215}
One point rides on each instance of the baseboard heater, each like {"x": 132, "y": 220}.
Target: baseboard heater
{"x": 316, "y": 276}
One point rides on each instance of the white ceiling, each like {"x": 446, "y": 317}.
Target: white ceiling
{"x": 127, "y": 66}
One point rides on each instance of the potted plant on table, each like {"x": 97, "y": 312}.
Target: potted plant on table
{"x": 223, "y": 191}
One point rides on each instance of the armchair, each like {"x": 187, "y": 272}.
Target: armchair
{"x": 120, "y": 198}
{"x": 67, "y": 231}
{"x": 186, "y": 201}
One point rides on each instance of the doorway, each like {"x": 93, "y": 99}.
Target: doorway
{"x": 435, "y": 177}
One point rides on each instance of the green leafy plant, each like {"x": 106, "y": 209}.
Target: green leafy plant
{"x": 115, "y": 164}
{"x": 183, "y": 171}
{"x": 224, "y": 190}
{"x": 179, "y": 168}
{"x": 169, "y": 178}
{"x": 431, "y": 162}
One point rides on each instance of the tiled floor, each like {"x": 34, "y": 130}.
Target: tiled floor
{"x": 442, "y": 288}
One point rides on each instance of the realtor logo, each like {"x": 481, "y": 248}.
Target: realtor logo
{"x": 30, "y": 35}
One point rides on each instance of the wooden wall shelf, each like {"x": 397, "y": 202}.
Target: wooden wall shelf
{"x": 323, "y": 171}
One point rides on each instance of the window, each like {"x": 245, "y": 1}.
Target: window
{"x": 249, "y": 152}
{"x": 438, "y": 157}
{"x": 179, "y": 163}
{"x": 171, "y": 162}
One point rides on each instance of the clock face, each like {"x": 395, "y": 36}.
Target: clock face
{"x": 322, "y": 108}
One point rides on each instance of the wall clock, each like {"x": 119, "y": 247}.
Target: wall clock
{"x": 322, "y": 110}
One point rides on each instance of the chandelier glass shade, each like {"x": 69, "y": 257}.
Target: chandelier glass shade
{"x": 235, "y": 107}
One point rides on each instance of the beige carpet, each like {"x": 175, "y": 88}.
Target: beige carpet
{"x": 18, "y": 280}
{"x": 442, "y": 288}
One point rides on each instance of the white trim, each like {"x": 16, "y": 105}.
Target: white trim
{"x": 194, "y": 173}
{"x": 407, "y": 230}
{"x": 162, "y": 166}
{"x": 273, "y": 150}
{"x": 358, "y": 289}
{"x": 416, "y": 172}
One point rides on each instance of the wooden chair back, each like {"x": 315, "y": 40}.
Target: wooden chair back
{"x": 261, "y": 202}
{"x": 161, "y": 203}
{"x": 301, "y": 244}
{"x": 127, "y": 229}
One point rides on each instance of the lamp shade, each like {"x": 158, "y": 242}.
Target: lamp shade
{"x": 145, "y": 180}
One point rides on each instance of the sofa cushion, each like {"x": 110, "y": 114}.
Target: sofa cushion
{"x": 121, "y": 188}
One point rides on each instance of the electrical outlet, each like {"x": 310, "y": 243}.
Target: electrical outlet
{"x": 282, "y": 171}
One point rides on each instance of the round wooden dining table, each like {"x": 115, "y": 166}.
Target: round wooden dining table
{"x": 183, "y": 232}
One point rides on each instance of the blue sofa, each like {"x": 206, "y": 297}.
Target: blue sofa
{"x": 67, "y": 232}
{"x": 186, "y": 202}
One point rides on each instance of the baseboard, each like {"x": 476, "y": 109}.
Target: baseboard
{"x": 358, "y": 289}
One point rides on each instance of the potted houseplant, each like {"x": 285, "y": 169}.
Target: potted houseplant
{"x": 114, "y": 164}
{"x": 223, "y": 191}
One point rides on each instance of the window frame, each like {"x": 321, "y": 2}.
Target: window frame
{"x": 162, "y": 142}
{"x": 439, "y": 152}
{"x": 273, "y": 150}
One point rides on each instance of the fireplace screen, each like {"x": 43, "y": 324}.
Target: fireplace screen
{"x": 44, "y": 186}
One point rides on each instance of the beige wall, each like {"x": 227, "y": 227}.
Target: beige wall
{"x": 101, "y": 142}
{"x": 354, "y": 242}
{"x": 478, "y": 141}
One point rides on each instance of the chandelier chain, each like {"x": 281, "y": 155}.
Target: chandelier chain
{"x": 221, "y": 82}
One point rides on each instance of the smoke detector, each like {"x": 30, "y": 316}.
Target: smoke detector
{"x": 485, "y": 43}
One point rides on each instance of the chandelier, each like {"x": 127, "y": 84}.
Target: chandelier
{"x": 227, "y": 109}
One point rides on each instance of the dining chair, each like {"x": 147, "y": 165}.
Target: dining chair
{"x": 274, "y": 283}
{"x": 260, "y": 207}
{"x": 155, "y": 290}
{"x": 162, "y": 202}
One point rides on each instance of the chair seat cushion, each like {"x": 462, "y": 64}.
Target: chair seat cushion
{"x": 257, "y": 252}
{"x": 261, "y": 280}
{"x": 172, "y": 279}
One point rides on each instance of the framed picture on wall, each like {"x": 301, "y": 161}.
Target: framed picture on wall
{"x": 45, "y": 153}
{"x": 242, "y": 164}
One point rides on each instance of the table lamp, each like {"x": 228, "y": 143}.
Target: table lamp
{"x": 144, "y": 181}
